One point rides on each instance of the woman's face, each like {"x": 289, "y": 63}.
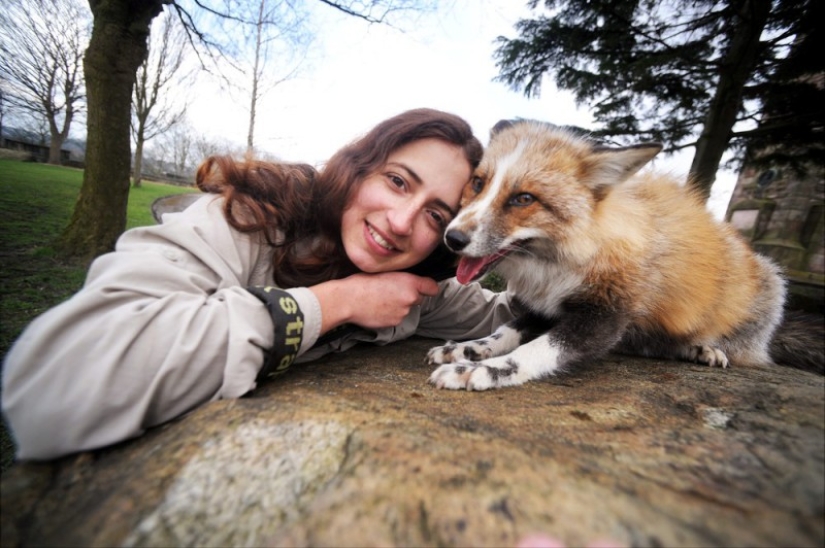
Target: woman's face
{"x": 398, "y": 214}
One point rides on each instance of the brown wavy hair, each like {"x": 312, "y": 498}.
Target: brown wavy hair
{"x": 298, "y": 210}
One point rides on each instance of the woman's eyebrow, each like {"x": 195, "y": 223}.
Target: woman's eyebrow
{"x": 415, "y": 177}
{"x": 442, "y": 204}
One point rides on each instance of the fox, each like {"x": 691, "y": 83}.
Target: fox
{"x": 600, "y": 256}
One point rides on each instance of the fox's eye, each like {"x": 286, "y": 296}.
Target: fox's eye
{"x": 477, "y": 183}
{"x": 523, "y": 199}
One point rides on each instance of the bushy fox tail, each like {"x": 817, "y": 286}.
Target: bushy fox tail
{"x": 800, "y": 342}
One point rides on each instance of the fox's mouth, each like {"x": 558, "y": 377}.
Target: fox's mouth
{"x": 472, "y": 268}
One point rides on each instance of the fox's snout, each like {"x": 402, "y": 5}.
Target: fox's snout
{"x": 456, "y": 239}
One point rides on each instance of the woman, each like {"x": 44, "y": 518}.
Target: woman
{"x": 281, "y": 263}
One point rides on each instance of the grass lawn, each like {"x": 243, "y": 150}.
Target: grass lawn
{"x": 36, "y": 202}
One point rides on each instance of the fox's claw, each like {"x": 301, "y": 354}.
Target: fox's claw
{"x": 708, "y": 355}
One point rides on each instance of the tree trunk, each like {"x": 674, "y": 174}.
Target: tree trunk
{"x": 55, "y": 144}
{"x": 137, "y": 172}
{"x": 721, "y": 117}
{"x": 116, "y": 49}
{"x": 253, "y": 104}
{"x": 58, "y": 136}
{"x": 137, "y": 168}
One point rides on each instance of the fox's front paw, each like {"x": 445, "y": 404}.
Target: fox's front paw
{"x": 468, "y": 375}
{"x": 453, "y": 376}
{"x": 441, "y": 354}
{"x": 708, "y": 355}
{"x": 455, "y": 352}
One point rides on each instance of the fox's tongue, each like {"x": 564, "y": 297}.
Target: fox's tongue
{"x": 469, "y": 268}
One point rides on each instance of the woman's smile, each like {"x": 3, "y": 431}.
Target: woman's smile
{"x": 381, "y": 243}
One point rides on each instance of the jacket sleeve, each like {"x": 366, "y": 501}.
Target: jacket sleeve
{"x": 161, "y": 325}
{"x": 463, "y": 312}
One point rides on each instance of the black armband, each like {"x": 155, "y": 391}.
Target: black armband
{"x": 289, "y": 329}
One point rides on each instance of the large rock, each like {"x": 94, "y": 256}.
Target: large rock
{"x": 172, "y": 204}
{"x": 357, "y": 450}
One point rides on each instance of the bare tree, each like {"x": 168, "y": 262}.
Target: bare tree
{"x": 41, "y": 51}
{"x": 204, "y": 146}
{"x": 155, "y": 110}
{"x": 117, "y": 47}
{"x": 180, "y": 148}
{"x": 285, "y": 44}
{"x": 173, "y": 154}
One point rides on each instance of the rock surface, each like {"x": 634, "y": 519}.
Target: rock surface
{"x": 357, "y": 450}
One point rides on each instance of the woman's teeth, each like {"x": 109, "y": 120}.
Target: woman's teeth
{"x": 379, "y": 240}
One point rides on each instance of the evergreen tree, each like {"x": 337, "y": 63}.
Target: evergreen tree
{"x": 791, "y": 132}
{"x": 683, "y": 73}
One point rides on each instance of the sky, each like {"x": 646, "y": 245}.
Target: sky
{"x": 359, "y": 74}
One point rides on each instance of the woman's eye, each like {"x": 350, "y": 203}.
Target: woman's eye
{"x": 438, "y": 218}
{"x": 396, "y": 181}
{"x": 477, "y": 184}
{"x": 523, "y": 199}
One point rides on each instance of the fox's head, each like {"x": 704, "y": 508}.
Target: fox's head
{"x": 534, "y": 193}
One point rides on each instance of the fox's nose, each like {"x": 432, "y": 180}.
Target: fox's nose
{"x": 456, "y": 240}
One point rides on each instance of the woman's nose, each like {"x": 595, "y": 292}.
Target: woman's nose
{"x": 402, "y": 219}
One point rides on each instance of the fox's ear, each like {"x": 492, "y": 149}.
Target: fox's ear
{"x": 610, "y": 166}
{"x": 501, "y": 125}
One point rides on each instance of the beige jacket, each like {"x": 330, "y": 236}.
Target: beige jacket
{"x": 164, "y": 324}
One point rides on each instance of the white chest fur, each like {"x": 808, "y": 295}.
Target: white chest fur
{"x": 542, "y": 286}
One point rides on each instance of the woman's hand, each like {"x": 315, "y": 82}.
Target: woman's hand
{"x": 372, "y": 301}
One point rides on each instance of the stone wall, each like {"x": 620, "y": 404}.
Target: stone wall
{"x": 783, "y": 215}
